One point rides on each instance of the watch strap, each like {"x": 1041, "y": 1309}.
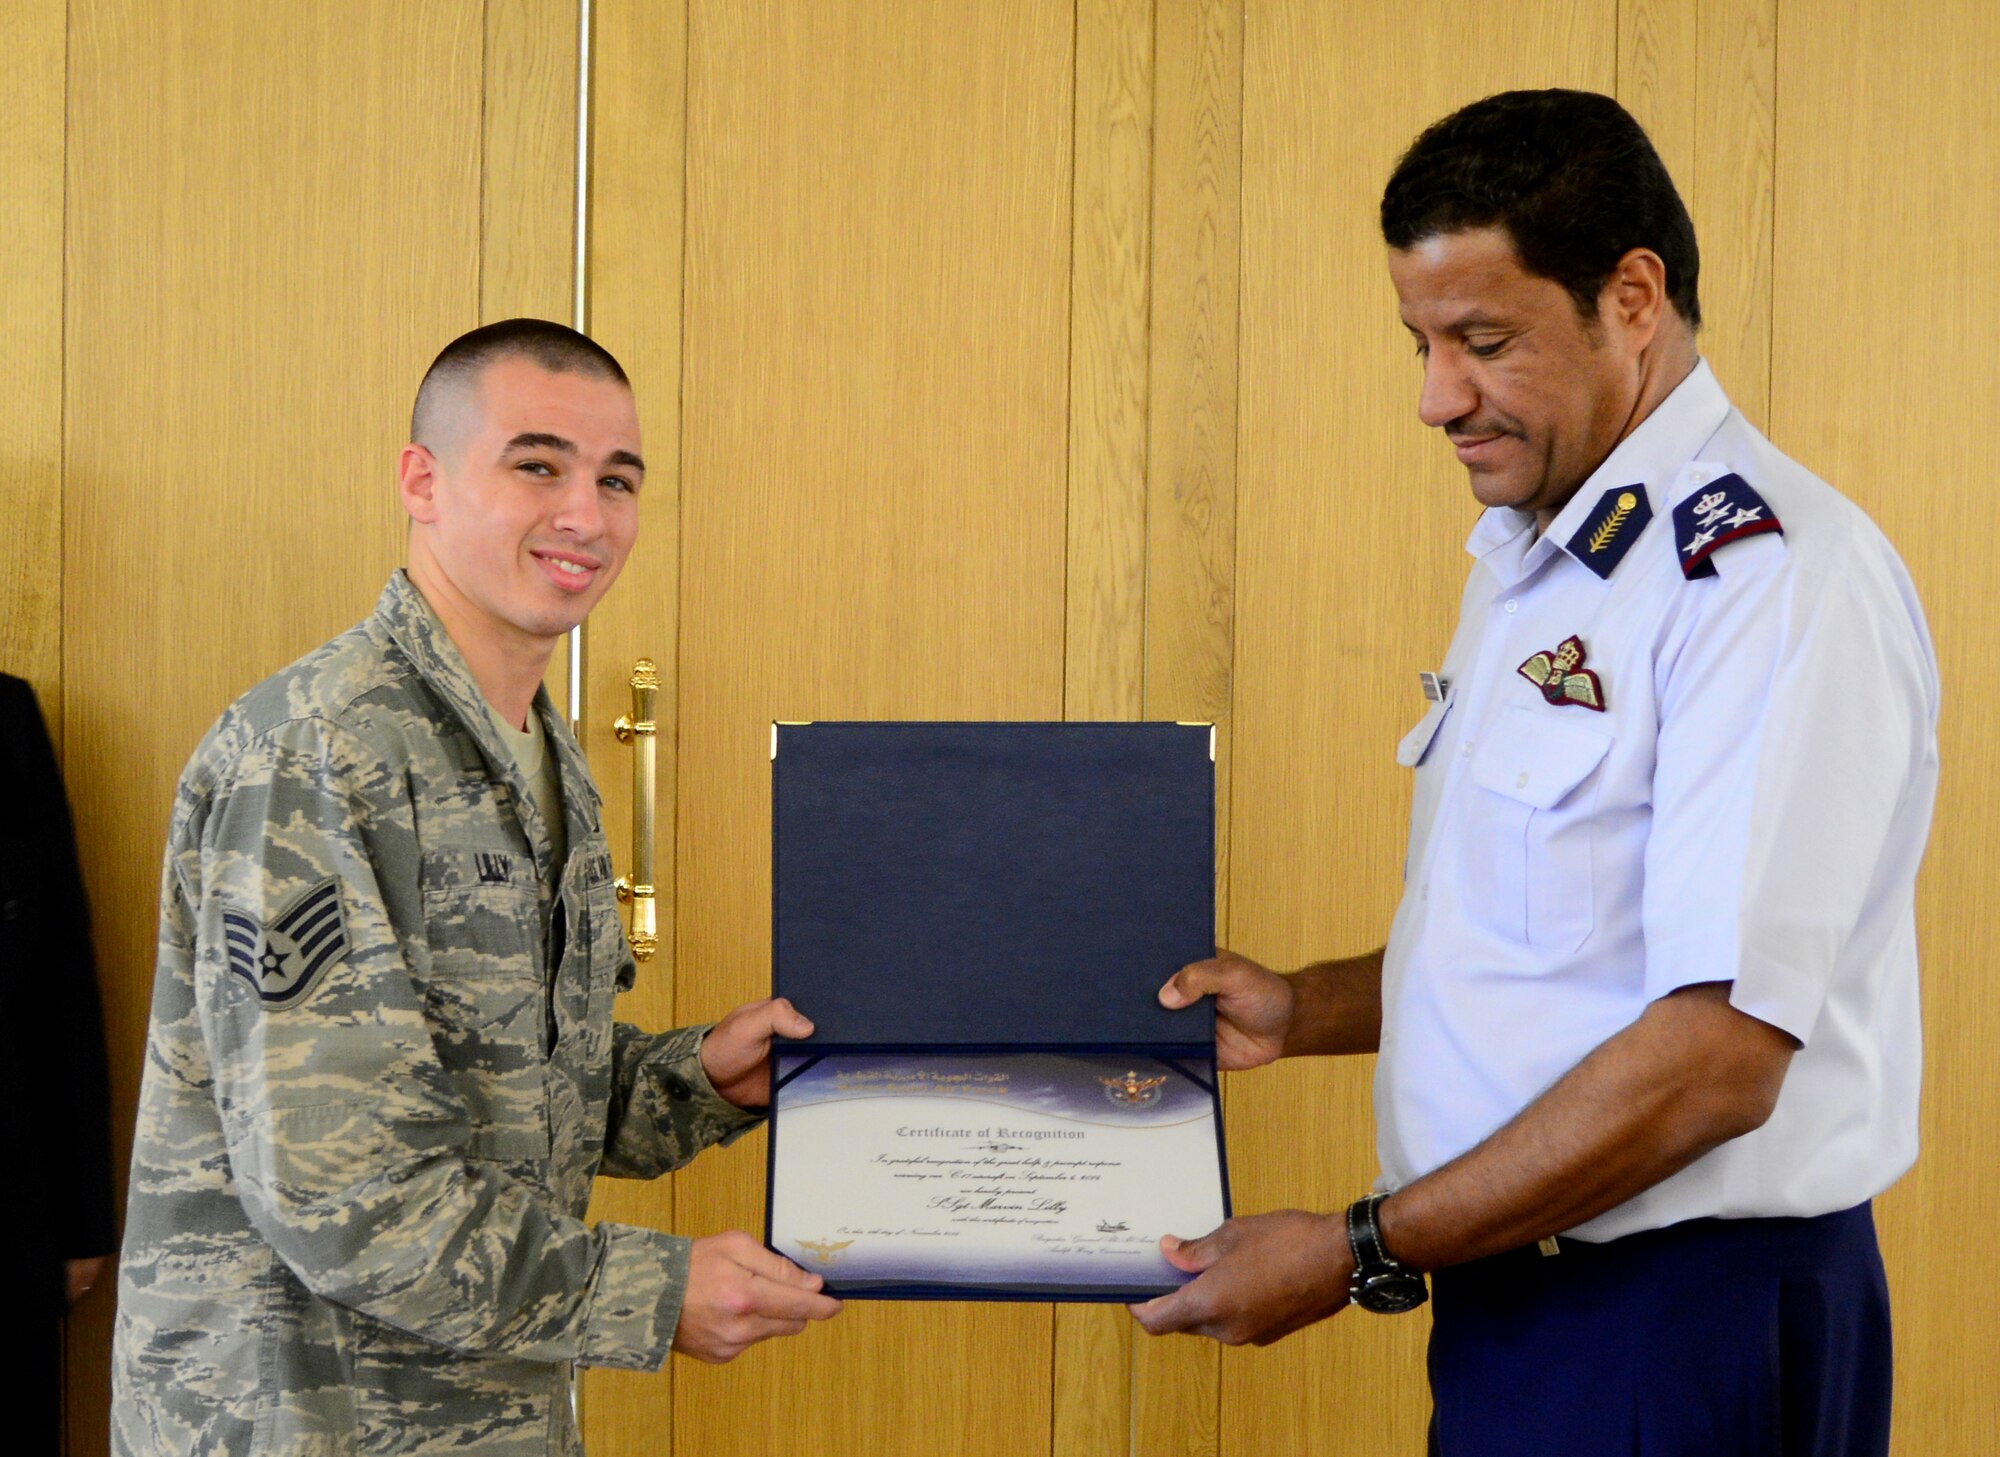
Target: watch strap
{"x": 1364, "y": 1235}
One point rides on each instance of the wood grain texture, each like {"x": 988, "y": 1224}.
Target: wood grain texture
{"x": 1104, "y": 644}
{"x": 1350, "y": 520}
{"x": 252, "y": 300}
{"x": 1887, "y": 239}
{"x": 1700, "y": 75}
{"x": 637, "y": 173}
{"x": 1735, "y": 136}
{"x": 1659, "y": 42}
{"x": 527, "y": 231}
{"x": 1191, "y": 517}
{"x": 1191, "y": 520}
{"x": 31, "y": 351}
{"x": 1091, "y": 1401}
{"x": 873, "y": 526}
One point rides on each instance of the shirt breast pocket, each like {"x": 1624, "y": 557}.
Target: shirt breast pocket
{"x": 1526, "y": 859}
{"x": 487, "y": 997}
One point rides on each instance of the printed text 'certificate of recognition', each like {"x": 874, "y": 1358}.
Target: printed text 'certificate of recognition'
{"x": 1036, "y": 1175}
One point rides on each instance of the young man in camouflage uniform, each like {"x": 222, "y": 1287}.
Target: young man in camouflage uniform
{"x": 382, "y": 1070}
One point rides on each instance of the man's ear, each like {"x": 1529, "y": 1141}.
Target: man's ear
{"x": 417, "y": 480}
{"x": 1634, "y": 300}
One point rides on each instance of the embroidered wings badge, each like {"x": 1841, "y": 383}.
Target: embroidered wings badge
{"x": 1562, "y": 677}
{"x": 283, "y": 961}
{"x": 1725, "y": 510}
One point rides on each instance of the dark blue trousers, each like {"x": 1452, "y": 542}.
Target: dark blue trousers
{"x": 1713, "y": 1338}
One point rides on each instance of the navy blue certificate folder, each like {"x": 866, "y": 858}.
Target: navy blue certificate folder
{"x": 978, "y": 918}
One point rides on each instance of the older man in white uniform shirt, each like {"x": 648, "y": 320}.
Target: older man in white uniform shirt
{"x": 1647, "y": 1015}
{"x": 1713, "y": 820}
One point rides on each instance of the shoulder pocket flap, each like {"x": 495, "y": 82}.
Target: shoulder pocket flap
{"x": 1417, "y": 742}
{"x": 1537, "y": 758}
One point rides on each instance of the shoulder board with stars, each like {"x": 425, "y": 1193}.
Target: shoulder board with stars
{"x": 1724, "y": 510}
{"x": 1610, "y": 529}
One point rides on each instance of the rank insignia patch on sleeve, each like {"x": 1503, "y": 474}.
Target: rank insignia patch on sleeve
{"x": 283, "y": 960}
{"x": 1724, "y": 510}
{"x": 1608, "y": 531}
{"x": 1562, "y": 677}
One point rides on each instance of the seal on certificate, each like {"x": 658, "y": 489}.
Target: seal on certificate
{"x": 824, "y": 1251}
{"x": 1133, "y": 1091}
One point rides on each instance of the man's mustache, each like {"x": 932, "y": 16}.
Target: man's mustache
{"x": 1459, "y": 430}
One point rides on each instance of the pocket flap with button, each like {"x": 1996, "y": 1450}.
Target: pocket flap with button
{"x": 1417, "y": 742}
{"x": 1536, "y": 757}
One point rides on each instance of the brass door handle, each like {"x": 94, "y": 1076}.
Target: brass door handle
{"x": 638, "y": 731}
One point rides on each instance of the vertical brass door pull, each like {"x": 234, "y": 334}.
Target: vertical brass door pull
{"x": 637, "y": 730}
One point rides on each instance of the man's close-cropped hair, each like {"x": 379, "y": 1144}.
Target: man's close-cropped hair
{"x": 555, "y": 347}
{"x": 1569, "y": 174}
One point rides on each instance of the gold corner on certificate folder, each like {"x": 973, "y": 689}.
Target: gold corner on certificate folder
{"x": 1201, "y": 723}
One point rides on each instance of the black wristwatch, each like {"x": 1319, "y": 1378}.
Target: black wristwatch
{"x": 1379, "y": 1283}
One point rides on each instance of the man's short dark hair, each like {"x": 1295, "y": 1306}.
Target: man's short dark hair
{"x": 1569, "y": 174}
{"x": 555, "y": 347}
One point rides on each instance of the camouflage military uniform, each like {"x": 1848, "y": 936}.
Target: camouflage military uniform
{"x": 381, "y": 1074}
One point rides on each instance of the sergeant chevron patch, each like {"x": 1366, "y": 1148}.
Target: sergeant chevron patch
{"x": 1724, "y": 510}
{"x": 283, "y": 961}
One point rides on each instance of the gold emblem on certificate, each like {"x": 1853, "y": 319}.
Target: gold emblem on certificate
{"x": 1133, "y": 1091}
{"x": 824, "y": 1251}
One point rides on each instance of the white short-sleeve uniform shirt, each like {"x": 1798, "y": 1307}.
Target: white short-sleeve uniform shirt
{"x": 1749, "y": 804}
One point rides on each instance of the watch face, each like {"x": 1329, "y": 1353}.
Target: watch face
{"x": 1390, "y": 1292}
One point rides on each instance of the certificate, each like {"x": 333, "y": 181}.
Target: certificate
{"x": 1027, "y": 1175}
{"x": 978, "y": 918}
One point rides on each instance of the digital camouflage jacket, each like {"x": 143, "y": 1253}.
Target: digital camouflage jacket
{"x": 381, "y": 1074}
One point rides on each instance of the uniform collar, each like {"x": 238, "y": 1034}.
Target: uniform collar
{"x": 1649, "y": 458}
{"x": 410, "y": 623}
{"x": 408, "y": 619}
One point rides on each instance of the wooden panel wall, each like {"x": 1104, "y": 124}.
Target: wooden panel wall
{"x": 1887, "y": 237}
{"x": 31, "y": 167}
{"x": 1700, "y": 76}
{"x": 527, "y": 160}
